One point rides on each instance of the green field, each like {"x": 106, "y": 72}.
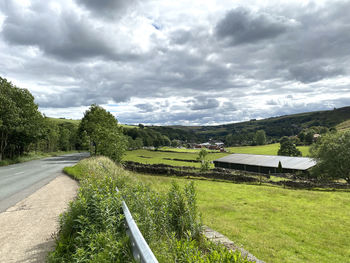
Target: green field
{"x": 154, "y": 157}
{"x": 269, "y": 149}
{"x": 274, "y": 224}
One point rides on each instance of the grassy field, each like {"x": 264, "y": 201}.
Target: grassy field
{"x": 269, "y": 149}
{"x": 153, "y": 157}
{"x": 275, "y": 224}
{"x": 344, "y": 126}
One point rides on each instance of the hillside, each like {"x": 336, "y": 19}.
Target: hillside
{"x": 274, "y": 127}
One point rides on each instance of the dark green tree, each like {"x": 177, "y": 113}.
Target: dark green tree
{"x": 332, "y": 152}
{"x": 105, "y": 136}
{"x": 20, "y": 120}
{"x": 288, "y": 148}
{"x": 260, "y": 137}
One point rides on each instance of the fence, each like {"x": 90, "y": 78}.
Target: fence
{"x": 140, "y": 248}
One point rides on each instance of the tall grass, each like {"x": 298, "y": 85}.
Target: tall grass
{"x": 92, "y": 229}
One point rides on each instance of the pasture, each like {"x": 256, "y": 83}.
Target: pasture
{"x": 268, "y": 149}
{"x": 154, "y": 157}
{"x": 167, "y": 155}
{"x": 273, "y": 223}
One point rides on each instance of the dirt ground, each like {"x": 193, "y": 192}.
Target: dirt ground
{"x": 27, "y": 229}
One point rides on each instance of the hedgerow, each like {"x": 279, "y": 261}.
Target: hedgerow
{"x": 92, "y": 230}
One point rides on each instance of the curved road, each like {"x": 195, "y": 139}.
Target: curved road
{"x": 18, "y": 181}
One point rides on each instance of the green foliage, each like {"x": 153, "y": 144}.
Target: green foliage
{"x": 260, "y": 137}
{"x": 202, "y": 157}
{"x": 143, "y": 136}
{"x": 92, "y": 230}
{"x": 332, "y": 152}
{"x": 20, "y": 120}
{"x": 279, "y": 168}
{"x": 288, "y": 148}
{"x": 105, "y": 136}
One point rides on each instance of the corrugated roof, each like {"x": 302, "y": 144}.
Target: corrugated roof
{"x": 296, "y": 163}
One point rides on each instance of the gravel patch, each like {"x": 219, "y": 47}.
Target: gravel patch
{"x": 28, "y": 228}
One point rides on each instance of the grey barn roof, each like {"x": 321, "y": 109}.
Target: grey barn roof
{"x": 295, "y": 163}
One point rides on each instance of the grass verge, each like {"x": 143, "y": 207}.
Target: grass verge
{"x": 92, "y": 229}
{"x": 274, "y": 224}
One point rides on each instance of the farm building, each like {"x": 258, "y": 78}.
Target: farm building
{"x": 264, "y": 163}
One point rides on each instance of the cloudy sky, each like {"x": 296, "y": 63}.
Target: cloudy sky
{"x": 178, "y": 62}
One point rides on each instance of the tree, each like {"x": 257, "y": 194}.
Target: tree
{"x": 280, "y": 169}
{"x": 20, "y": 120}
{"x": 260, "y": 137}
{"x": 106, "y": 137}
{"x": 287, "y": 148}
{"x": 332, "y": 152}
{"x": 202, "y": 158}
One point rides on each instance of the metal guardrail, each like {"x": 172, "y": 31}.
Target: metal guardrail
{"x": 140, "y": 249}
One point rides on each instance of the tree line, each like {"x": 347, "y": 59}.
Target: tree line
{"x": 23, "y": 128}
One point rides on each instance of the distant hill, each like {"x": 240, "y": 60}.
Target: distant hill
{"x": 63, "y": 120}
{"x": 274, "y": 127}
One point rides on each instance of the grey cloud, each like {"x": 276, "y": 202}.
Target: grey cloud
{"x": 308, "y": 73}
{"x": 181, "y": 37}
{"x": 106, "y": 8}
{"x": 67, "y": 36}
{"x": 203, "y": 103}
{"x": 146, "y": 107}
{"x": 243, "y": 26}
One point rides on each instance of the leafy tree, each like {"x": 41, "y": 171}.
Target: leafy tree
{"x": 309, "y": 137}
{"x": 288, "y": 148}
{"x": 202, "y": 157}
{"x": 104, "y": 134}
{"x": 332, "y": 152}
{"x": 260, "y": 137}
{"x": 20, "y": 120}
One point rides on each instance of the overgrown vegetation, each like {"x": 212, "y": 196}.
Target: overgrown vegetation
{"x": 92, "y": 229}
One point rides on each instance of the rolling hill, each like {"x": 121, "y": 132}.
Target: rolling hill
{"x": 274, "y": 127}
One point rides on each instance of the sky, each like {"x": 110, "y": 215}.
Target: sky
{"x": 166, "y": 62}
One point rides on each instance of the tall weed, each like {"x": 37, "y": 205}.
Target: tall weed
{"x": 93, "y": 230}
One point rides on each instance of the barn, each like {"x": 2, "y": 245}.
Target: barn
{"x": 265, "y": 163}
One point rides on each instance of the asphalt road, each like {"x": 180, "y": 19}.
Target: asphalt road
{"x": 18, "y": 181}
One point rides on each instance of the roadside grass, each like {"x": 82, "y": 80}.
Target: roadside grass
{"x": 93, "y": 230}
{"x": 268, "y": 149}
{"x": 33, "y": 156}
{"x": 273, "y": 223}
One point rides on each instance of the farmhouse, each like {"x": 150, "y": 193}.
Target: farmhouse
{"x": 264, "y": 163}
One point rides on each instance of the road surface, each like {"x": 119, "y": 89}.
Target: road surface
{"x": 18, "y": 181}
